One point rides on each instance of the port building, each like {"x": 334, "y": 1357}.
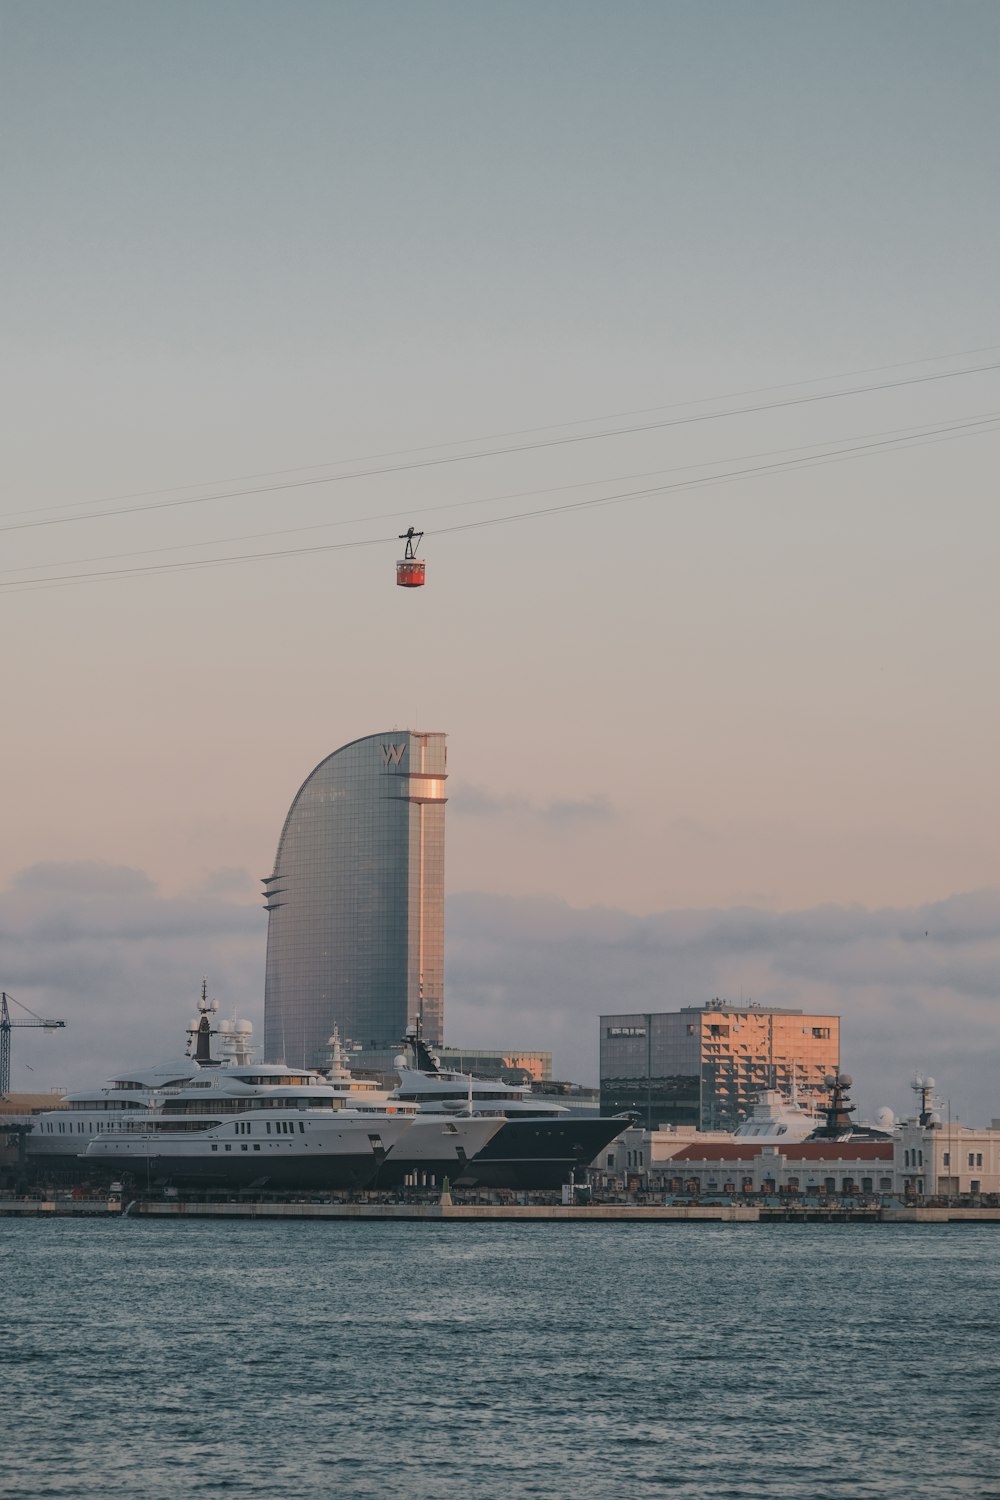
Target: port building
{"x": 705, "y": 1066}
{"x": 355, "y": 903}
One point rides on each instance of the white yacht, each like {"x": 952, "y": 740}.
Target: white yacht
{"x": 59, "y": 1136}
{"x": 777, "y": 1118}
{"x": 236, "y": 1123}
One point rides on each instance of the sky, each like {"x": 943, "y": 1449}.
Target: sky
{"x": 675, "y": 328}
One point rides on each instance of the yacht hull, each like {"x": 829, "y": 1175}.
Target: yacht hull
{"x": 415, "y": 1153}
{"x": 539, "y": 1154}
{"x": 435, "y": 1148}
{"x": 317, "y": 1156}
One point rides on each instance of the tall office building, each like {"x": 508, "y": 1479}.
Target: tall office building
{"x": 706, "y": 1065}
{"x": 355, "y": 905}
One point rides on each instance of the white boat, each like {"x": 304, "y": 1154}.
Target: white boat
{"x": 236, "y": 1123}
{"x": 777, "y": 1118}
{"x": 266, "y": 1126}
{"x": 59, "y": 1136}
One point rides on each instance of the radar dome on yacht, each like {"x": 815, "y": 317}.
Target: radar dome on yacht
{"x": 829, "y": 1080}
{"x": 846, "y": 1080}
{"x": 225, "y": 1027}
{"x": 885, "y": 1118}
{"x": 214, "y": 1006}
{"x": 244, "y": 1028}
{"x": 928, "y": 1083}
{"x": 194, "y": 1024}
{"x": 435, "y": 1060}
{"x": 934, "y": 1118}
{"x": 399, "y": 1061}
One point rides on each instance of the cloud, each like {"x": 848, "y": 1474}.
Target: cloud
{"x": 97, "y": 945}
{"x": 100, "y": 947}
{"x": 470, "y": 801}
{"x": 915, "y": 987}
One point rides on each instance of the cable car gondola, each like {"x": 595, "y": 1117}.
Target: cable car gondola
{"x": 410, "y": 568}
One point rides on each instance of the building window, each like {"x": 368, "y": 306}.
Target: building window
{"x": 972, "y": 1158}
{"x": 979, "y": 1158}
{"x": 946, "y": 1159}
{"x": 823, "y": 1032}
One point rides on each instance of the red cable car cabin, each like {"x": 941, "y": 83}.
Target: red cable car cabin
{"x": 410, "y": 568}
{"x": 410, "y": 575}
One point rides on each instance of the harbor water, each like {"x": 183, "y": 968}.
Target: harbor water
{"x": 300, "y": 1359}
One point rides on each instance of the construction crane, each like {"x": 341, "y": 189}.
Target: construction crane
{"x": 6, "y": 1026}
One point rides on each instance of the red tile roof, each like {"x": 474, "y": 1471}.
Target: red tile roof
{"x": 793, "y": 1151}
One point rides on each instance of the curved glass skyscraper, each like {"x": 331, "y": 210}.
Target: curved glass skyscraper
{"x": 355, "y": 906}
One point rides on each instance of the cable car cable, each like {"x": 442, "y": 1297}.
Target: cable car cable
{"x": 429, "y": 463}
{"x": 526, "y": 431}
{"x": 894, "y": 445}
{"x": 919, "y": 430}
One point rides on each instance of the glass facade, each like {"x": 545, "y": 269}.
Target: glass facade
{"x": 355, "y": 905}
{"x": 706, "y": 1065}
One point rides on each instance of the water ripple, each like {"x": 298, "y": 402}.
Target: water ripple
{"x": 302, "y": 1359}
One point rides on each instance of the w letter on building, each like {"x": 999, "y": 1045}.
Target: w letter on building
{"x": 393, "y": 753}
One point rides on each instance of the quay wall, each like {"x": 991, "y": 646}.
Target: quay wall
{"x": 599, "y": 1213}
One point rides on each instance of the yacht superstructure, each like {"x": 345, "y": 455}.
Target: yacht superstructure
{"x": 775, "y": 1118}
